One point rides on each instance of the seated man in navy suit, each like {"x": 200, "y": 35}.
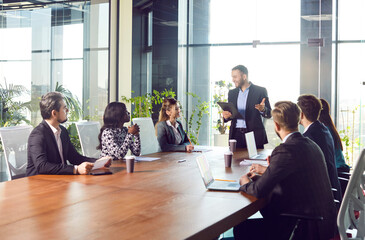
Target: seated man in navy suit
{"x": 49, "y": 146}
{"x": 311, "y": 107}
{"x": 295, "y": 182}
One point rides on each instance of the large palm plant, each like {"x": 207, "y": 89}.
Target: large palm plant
{"x": 12, "y": 111}
{"x": 72, "y": 102}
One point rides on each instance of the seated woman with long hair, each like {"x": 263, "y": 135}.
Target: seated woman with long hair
{"x": 341, "y": 165}
{"x": 170, "y": 132}
{"x": 114, "y": 138}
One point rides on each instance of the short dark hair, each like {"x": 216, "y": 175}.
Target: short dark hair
{"x": 311, "y": 106}
{"x": 49, "y": 102}
{"x": 287, "y": 115}
{"x": 241, "y": 68}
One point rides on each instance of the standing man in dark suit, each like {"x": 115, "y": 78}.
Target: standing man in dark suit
{"x": 311, "y": 108}
{"x": 252, "y": 103}
{"x": 295, "y": 182}
{"x": 49, "y": 146}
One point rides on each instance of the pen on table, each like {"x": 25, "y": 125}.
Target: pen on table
{"x": 181, "y": 160}
{"x": 225, "y": 180}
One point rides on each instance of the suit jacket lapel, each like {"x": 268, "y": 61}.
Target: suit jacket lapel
{"x": 181, "y": 131}
{"x": 235, "y": 97}
{"x": 53, "y": 139}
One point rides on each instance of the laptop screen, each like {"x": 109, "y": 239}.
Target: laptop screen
{"x": 204, "y": 169}
{"x": 251, "y": 144}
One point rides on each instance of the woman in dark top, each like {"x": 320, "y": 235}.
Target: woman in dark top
{"x": 114, "y": 138}
{"x": 342, "y": 167}
{"x": 170, "y": 132}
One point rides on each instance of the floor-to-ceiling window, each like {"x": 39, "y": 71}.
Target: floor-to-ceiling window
{"x": 45, "y": 43}
{"x": 350, "y": 75}
{"x": 257, "y": 34}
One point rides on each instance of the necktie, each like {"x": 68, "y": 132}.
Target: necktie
{"x": 59, "y": 144}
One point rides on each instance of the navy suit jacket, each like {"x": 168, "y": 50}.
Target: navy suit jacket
{"x": 296, "y": 182}
{"x": 43, "y": 154}
{"x": 252, "y": 115}
{"x": 166, "y": 137}
{"x": 320, "y": 134}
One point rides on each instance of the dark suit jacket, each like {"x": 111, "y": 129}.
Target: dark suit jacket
{"x": 166, "y": 137}
{"x": 252, "y": 115}
{"x": 298, "y": 183}
{"x": 43, "y": 154}
{"x": 322, "y": 137}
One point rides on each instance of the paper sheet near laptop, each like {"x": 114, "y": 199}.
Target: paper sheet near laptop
{"x": 208, "y": 179}
{"x": 247, "y": 162}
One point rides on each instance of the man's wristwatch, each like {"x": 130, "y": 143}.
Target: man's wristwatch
{"x": 75, "y": 169}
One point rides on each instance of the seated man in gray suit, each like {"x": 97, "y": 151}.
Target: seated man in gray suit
{"x": 295, "y": 182}
{"x": 49, "y": 146}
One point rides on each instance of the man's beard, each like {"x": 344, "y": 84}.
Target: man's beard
{"x": 58, "y": 120}
{"x": 278, "y": 134}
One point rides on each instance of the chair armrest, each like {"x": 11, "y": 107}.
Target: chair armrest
{"x": 299, "y": 216}
{"x": 343, "y": 179}
{"x": 344, "y": 173}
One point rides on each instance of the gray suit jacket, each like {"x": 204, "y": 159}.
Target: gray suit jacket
{"x": 166, "y": 137}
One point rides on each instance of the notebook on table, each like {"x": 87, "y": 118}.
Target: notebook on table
{"x": 251, "y": 148}
{"x": 209, "y": 182}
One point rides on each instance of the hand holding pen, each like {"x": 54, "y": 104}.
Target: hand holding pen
{"x": 189, "y": 148}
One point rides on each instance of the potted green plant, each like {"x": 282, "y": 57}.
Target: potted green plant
{"x": 143, "y": 105}
{"x": 195, "y": 119}
{"x": 221, "y": 89}
{"x": 12, "y": 111}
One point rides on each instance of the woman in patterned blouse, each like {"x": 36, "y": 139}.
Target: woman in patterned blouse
{"x": 170, "y": 132}
{"x": 114, "y": 138}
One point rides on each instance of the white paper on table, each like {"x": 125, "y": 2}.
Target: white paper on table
{"x": 247, "y": 162}
{"x": 101, "y": 162}
{"x": 146, "y": 159}
{"x": 201, "y": 148}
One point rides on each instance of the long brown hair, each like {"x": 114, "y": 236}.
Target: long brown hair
{"x": 167, "y": 104}
{"x": 326, "y": 119}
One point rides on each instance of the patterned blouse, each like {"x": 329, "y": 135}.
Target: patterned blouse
{"x": 115, "y": 142}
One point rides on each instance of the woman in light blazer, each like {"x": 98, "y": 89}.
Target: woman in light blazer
{"x": 170, "y": 132}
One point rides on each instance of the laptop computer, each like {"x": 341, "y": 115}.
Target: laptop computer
{"x": 209, "y": 182}
{"x": 251, "y": 147}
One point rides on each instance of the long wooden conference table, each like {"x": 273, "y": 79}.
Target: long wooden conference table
{"x": 163, "y": 199}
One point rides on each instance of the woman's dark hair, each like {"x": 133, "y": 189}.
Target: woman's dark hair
{"x": 114, "y": 116}
{"x": 326, "y": 119}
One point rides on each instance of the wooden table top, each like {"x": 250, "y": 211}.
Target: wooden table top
{"x": 162, "y": 199}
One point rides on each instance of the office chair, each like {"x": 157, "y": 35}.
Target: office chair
{"x": 351, "y": 217}
{"x": 88, "y": 134}
{"x": 15, "y": 144}
{"x": 147, "y": 133}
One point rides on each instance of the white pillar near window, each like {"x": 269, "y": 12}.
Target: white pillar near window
{"x": 125, "y": 49}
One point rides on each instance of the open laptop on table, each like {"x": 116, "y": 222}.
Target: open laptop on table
{"x": 251, "y": 148}
{"x": 209, "y": 182}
